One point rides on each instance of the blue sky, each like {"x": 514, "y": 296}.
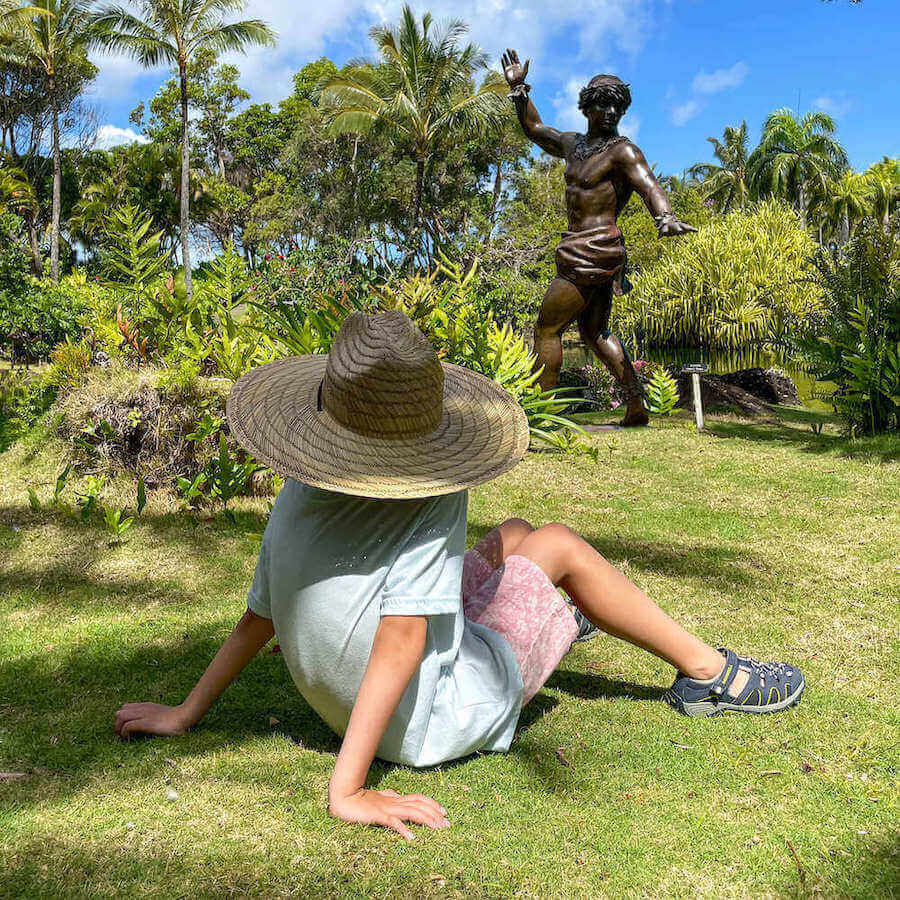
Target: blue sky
{"x": 695, "y": 66}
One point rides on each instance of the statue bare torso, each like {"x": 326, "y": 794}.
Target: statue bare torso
{"x": 596, "y": 192}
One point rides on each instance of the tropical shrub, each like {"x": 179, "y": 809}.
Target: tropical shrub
{"x": 37, "y": 315}
{"x": 857, "y": 343}
{"x": 24, "y": 398}
{"x": 69, "y": 364}
{"x": 14, "y": 261}
{"x": 447, "y": 305}
{"x": 741, "y": 280}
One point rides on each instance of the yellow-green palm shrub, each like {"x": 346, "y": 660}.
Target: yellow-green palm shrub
{"x": 742, "y": 280}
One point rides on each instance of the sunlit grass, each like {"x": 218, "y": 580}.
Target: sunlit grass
{"x": 763, "y": 535}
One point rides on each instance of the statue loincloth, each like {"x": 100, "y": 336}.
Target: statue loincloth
{"x": 594, "y": 256}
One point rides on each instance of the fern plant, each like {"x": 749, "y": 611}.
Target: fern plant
{"x": 662, "y": 392}
{"x": 130, "y": 256}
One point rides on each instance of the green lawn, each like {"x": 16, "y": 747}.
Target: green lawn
{"x": 763, "y": 535}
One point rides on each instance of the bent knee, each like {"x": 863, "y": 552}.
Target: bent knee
{"x": 556, "y": 531}
{"x": 516, "y": 527}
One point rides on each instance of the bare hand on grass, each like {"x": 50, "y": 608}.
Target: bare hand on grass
{"x": 150, "y": 718}
{"x": 390, "y": 810}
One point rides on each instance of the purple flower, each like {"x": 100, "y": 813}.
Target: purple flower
{"x": 615, "y": 404}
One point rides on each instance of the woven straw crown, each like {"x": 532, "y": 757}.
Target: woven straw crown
{"x": 383, "y": 379}
{"x": 380, "y": 416}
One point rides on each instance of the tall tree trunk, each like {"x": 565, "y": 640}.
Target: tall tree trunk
{"x": 845, "y": 227}
{"x": 495, "y": 201}
{"x": 185, "y": 183}
{"x": 801, "y": 203}
{"x": 37, "y": 264}
{"x": 420, "y": 181}
{"x": 57, "y": 183}
{"x": 220, "y": 160}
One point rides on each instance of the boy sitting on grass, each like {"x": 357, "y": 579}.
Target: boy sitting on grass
{"x": 410, "y": 648}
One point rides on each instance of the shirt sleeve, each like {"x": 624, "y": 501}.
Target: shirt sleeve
{"x": 426, "y": 579}
{"x": 258, "y": 600}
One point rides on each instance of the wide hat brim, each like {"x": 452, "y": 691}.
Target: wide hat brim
{"x": 272, "y": 411}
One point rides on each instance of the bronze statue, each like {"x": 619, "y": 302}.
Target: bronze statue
{"x": 602, "y": 169}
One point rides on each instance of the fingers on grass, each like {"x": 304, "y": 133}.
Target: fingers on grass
{"x": 428, "y": 802}
{"x": 422, "y": 814}
{"x": 132, "y": 726}
{"x": 397, "y": 824}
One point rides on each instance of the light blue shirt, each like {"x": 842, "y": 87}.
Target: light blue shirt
{"x": 332, "y": 565}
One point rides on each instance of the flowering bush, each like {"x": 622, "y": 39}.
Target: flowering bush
{"x": 603, "y": 390}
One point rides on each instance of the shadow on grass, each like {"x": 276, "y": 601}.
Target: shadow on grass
{"x": 858, "y": 871}
{"x": 60, "y": 707}
{"x": 202, "y": 538}
{"x": 795, "y": 425}
{"x": 598, "y": 687}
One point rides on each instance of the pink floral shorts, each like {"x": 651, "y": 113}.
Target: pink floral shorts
{"x": 519, "y": 601}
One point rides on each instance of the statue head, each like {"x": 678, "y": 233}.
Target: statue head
{"x": 606, "y": 98}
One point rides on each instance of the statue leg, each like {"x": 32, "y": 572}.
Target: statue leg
{"x": 561, "y": 306}
{"x": 593, "y": 324}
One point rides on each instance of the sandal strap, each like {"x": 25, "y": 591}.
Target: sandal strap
{"x": 720, "y": 686}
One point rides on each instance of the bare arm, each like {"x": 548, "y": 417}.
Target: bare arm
{"x": 396, "y": 654}
{"x": 643, "y": 180}
{"x": 549, "y": 139}
{"x": 250, "y": 635}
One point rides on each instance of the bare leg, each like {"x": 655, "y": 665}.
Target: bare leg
{"x": 613, "y": 603}
{"x": 501, "y": 542}
{"x": 593, "y": 325}
{"x": 561, "y": 305}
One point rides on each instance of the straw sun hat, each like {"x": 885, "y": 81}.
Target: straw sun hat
{"x": 380, "y": 416}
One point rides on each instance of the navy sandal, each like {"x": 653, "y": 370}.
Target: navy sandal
{"x": 769, "y": 687}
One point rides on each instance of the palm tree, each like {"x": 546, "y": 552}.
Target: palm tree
{"x": 420, "y": 95}
{"x": 845, "y": 201}
{"x": 15, "y": 188}
{"x": 796, "y": 157}
{"x": 174, "y": 32}
{"x": 90, "y": 212}
{"x": 727, "y": 184}
{"x": 50, "y": 32}
{"x": 885, "y": 179}
{"x": 18, "y": 195}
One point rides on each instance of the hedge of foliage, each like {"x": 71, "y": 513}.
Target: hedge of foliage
{"x": 743, "y": 279}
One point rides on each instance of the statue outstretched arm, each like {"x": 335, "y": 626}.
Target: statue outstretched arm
{"x": 643, "y": 180}
{"x": 549, "y": 139}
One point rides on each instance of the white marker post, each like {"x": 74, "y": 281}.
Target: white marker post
{"x": 695, "y": 370}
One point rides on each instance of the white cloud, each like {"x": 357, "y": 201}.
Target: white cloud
{"x": 568, "y": 116}
{"x": 111, "y": 136}
{"x": 720, "y": 79}
{"x": 630, "y": 125}
{"x": 684, "y": 112}
{"x": 704, "y": 85}
{"x": 527, "y": 25}
{"x": 834, "y": 106}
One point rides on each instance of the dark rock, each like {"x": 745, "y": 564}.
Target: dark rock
{"x": 750, "y": 390}
{"x": 769, "y": 385}
{"x": 570, "y": 378}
